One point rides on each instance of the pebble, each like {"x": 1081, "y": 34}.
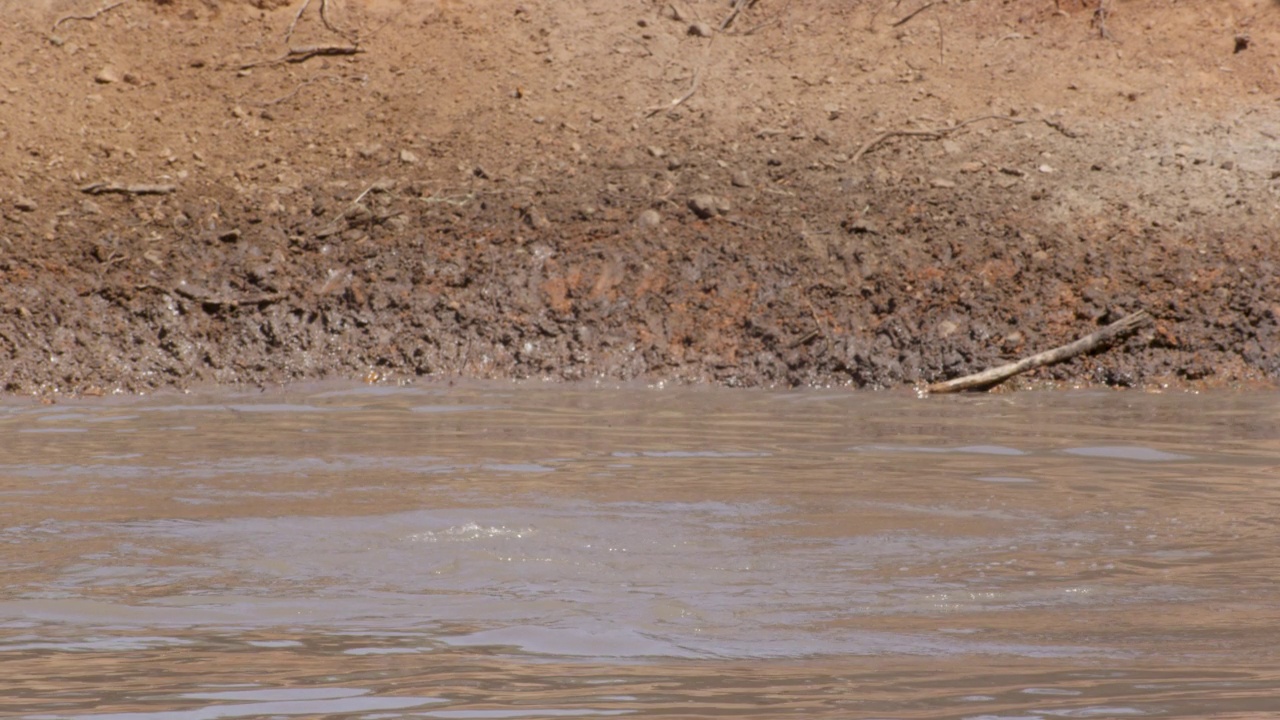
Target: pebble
{"x": 649, "y": 219}
{"x": 942, "y": 183}
{"x": 536, "y": 219}
{"x": 740, "y": 178}
{"x": 408, "y": 157}
{"x": 25, "y": 204}
{"x": 107, "y": 76}
{"x": 707, "y": 206}
{"x": 700, "y": 29}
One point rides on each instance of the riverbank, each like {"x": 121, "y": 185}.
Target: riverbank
{"x": 816, "y": 193}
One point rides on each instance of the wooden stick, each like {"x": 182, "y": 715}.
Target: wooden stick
{"x": 996, "y": 375}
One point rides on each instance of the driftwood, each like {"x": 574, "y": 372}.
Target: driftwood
{"x": 996, "y": 375}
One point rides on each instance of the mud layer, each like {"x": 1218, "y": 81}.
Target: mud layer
{"x": 751, "y": 193}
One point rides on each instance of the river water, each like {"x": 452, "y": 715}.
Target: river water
{"x": 523, "y": 551}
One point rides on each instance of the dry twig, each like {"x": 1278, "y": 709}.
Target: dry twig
{"x": 302, "y": 54}
{"x": 738, "y": 7}
{"x": 1060, "y": 127}
{"x": 912, "y": 14}
{"x": 324, "y": 17}
{"x": 101, "y": 188}
{"x": 90, "y": 16}
{"x": 930, "y": 134}
{"x": 693, "y": 88}
{"x": 1100, "y": 19}
{"x": 988, "y": 378}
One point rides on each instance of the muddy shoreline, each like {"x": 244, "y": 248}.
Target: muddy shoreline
{"x": 434, "y": 207}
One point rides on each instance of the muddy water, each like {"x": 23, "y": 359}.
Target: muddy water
{"x": 521, "y": 552}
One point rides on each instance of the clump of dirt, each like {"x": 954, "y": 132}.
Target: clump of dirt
{"x": 757, "y": 192}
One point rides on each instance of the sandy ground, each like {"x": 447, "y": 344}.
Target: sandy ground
{"x": 873, "y": 193}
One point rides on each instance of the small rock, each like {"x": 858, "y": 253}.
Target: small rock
{"x": 1046, "y": 169}
{"x": 707, "y": 206}
{"x": 946, "y": 328}
{"x": 700, "y": 29}
{"x": 972, "y": 166}
{"x": 408, "y": 157}
{"x": 656, "y": 151}
{"x": 740, "y": 178}
{"x": 107, "y": 76}
{"x": 942, "y": 183}
{"x": 649, "y": 219}
{"x": 536, "y": 219}
{"x": 951, "y": 147}
{"x": 1228, "y": 164}
{"x": 368, "y": 151}
{"x": 25, "y": 204}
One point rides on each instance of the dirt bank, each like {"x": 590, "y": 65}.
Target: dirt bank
{"x": 786, "y": 193}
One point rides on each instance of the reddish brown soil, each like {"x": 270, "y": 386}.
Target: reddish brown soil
{"x": 505, "y": 188}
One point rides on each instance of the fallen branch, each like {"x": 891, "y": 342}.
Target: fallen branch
{"x": 1088, "y": 343}
{"x": 930, "y": 134}
{"x": 100, "y": 188}
{"x": 90, "y": 16}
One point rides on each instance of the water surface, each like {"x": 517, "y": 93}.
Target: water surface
{"x": 528, "y": 551}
